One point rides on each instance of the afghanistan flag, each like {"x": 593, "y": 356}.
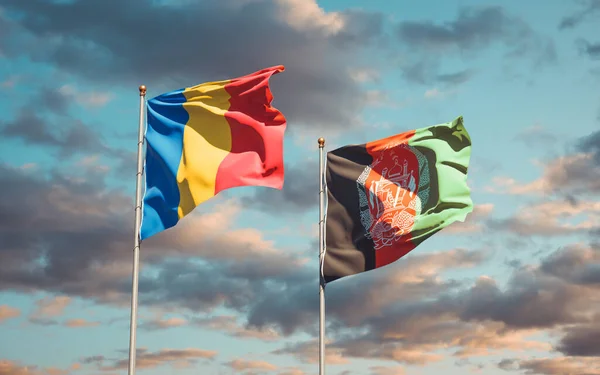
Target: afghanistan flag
{"x": 387, "y": 196}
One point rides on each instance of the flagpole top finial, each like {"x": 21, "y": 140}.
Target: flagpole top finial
{"x": 142, "y": 90}
{"x": 321, "y": 142}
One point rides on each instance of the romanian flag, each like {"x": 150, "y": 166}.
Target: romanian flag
{"x": 207, "y": 138}
{"x": 387, "y": 196}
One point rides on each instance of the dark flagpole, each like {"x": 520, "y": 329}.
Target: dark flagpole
{"x": 321, "y": 142}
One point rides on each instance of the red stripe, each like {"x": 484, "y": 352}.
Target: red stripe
{"x": 403, "y": 245}
{"x": 373, "y": 148}
{"x": 389, "y": 255}
{"x": 257, "y": 130}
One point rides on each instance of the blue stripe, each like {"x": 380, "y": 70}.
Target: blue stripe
{"x": 164, "y": 143}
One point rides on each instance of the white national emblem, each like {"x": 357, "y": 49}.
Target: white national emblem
{"x": 389, "y": 207}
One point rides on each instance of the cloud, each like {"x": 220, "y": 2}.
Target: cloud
{"x": 93, "y": 359}
{"x": 59, "y": 100}
{"x": 54, "y": 101}
{"x": 433, "y": 93}
{"x": 557, "y": 293}
{"x": 591, "y": 8}
{"x": 48, "y": 308}
{"x": 90, "y": 99}
{"x": 80, "y": 323}
{"x": 8, "y": 367}
{"x": 560, "y": 366}
{"x": 306, "y": 15}
{"x": 480, "y": 320}
{"x": 473, "y": 30}
{"x": 391, "y": 351}
{"x": 12, "y": 368}
{"x": 67, "y": 136}
{"x": 292, "y": 371}
{"x": 82, "y": 228}
{"x": 525, "y": 305}
{"x": 378, "y": 98}
{"x": 437, "y": 94}
{"x": 309, "y": 41}
{"x": 8, "y": 312}
{"x": 591, "y": 144}
{"x": 10, "y": 82}
{"x": 80, "y": 233}
{"x": 232, "y": 284}
{"x": 381, "y": 370}
{"x": 474, "y": 222}
{"x": 157, "y": 324}
{"x": 591, "y": 50}
{"x": 414, "y": 276}
{"x": 550, "y": 218}
{"x": 173, "y": 357}
{"x": 382, "y": 314}
{"x": 581, "y": 342}
{"x": 56, "y": 371}
{"x": 507, "y": 364}
{"x": 415, "y": 335}
{"x": 362, "y": 75}
{"x": 248, "y": 274}
{"x": 575, "y": 264}
{"x": 308, "y": 352}
{"x": 52, "y": 306}
{"x": 536, "y": 135}
{"x": 245, "y": 365}
{"x": 230, "y": 326}
{"x": 571, "y": 174}
{"x": 299, "y": 194}
{"x": 227, "y": 324}
{"x": 456, "y": 78}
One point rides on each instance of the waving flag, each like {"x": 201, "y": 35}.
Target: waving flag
{"x": 386, "y": 197}
{"x": 207, "y": 138}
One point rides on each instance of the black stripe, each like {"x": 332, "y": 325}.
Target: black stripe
{"x": 348, "y": 250}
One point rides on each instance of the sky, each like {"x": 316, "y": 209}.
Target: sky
{"x": 233, "y": 288}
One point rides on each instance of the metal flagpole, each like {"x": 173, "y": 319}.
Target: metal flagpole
{"x": 136, "y": 246}
{"x": 321, "y": 259}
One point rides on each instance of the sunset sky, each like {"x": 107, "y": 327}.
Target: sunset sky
{"x": 233, "y": 288}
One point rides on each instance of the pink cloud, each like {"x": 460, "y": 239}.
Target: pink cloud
{"x": 242, "y": 365}
{"x": 80, "y": 323}
{"x": 8, "y": 312}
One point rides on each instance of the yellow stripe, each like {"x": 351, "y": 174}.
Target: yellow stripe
{"x": 206, "y": 142}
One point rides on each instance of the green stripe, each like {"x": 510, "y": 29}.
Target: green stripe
{"x": 447, "y": 149}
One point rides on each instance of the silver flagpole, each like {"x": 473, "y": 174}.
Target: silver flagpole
{"x": 136, "y": 246}
{"x": 321, "y": 259}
